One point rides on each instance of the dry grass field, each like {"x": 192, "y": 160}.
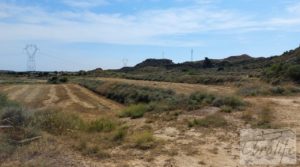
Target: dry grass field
{"x": 65, "y": 97}
{"x": 171, "y": 142}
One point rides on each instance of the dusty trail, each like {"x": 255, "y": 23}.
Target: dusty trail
{"x": 286, "y": 111}
{"x": 183, "y": 88}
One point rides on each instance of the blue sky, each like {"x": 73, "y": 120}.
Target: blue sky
{"x": 86, "y": 34}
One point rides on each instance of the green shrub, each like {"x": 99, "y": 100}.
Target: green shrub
{"x": 91, "y": 150}
{"x": 277, "y": 90}
{"x": 230, "y": 101}
{"x": 252, "y": 91}
{"x": 226, "y": 109}
{"x": 119, "y": 134}
{"x": 134, "y": 111}
{"x": 5, "y": 102}
{"x": 143, "y": 140}
{"x": 57, "y": 122}
{"x": 215, "y": 120}
{"x": 127, "y": 93}
{"x": 102, "y": 125}
{"x": 14, "y": 116}
{"x": 57, "y": 80}
{"x": 294, "y": 73}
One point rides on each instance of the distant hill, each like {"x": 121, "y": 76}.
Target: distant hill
{"x": 291, "y": 56}
{"x": 154, "y": 63}
{"x": 243, "y": 57}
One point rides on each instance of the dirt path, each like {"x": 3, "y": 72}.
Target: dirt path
{"x": 286, "y": 111}
{"x": 183, "y": 88}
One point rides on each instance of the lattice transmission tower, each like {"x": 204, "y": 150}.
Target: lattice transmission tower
{"x": 192, "y": 55}
{"x": 31, "y": 51}
{"x": 125, "y": 61}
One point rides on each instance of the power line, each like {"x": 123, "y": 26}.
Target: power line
{"x": 192, "y": 55}
{"x": 125, "y": 61}
{"x": 31, "y": 51}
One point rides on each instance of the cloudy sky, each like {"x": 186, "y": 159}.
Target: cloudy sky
{"x": 85, "y": 34}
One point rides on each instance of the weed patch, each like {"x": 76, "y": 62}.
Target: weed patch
{"x": 134, "y": 111}
{"x": 143, "y": 140}
{"x": 213, "y": 121}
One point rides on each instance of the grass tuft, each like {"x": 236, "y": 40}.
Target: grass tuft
{"x": 213, "y": 121}
{"x": 102, "y": 125}
{"x": 134, "y": 111}
{"x": 143, "y": 140}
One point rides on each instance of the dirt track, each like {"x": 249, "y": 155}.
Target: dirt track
{"x": 183, "y": 88}
{"x": 67, "y": 97}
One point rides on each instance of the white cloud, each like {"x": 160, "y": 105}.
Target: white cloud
{"x": 295, "y": 8}
{"x": 152, "y": 27}
{"x": 85, "y": 3}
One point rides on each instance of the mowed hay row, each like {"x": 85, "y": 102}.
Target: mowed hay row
{"x": 87, "y": 102}
{"x": 65, "y": 97}
{"x": 95, "y": 99}
{"x": 31, "y": 96}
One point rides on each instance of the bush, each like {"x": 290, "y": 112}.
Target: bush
{"x": 226, "y": 109}
{"x": 119, "y": 134}
{"x": 294, "y": 73}
{"x": 102, "y": 125}
{"x": 90, "y": 150}
{"x": 214, "y": 121}
{"x": 254, "y": 90}
{"x": 57, "y": 122}
{"x": 4, "y": 102}
{"x": 143, "y": 140}
{"x": 230, "y": 101}
{"x": 134, "y": 111}
{"x": 14, "y": 116}
{"x": 127, "y": 93}
{"x": 277, "y": 90}
{"x": 57, "y": 80}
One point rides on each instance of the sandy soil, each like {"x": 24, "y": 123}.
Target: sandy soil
{"x": 286, "y": 112}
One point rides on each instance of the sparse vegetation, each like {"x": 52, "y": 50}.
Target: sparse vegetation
{"x": 57, "y": 80}
{"x": 134, "y": 111}
{"x": 126, "y": 93}
{"x": 57, "y": 122}
{"x": 265, "y": 118}
{"x": 90, "y": 150}
{"x": 102, "y": 125}
{"x": 267, "y": 90}
{"x": 210, "y": 121}
{"x": 143, "y": 140}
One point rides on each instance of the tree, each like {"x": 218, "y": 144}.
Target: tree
{"x": 207, "y": 63}
{"x": 294, "y": 73}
